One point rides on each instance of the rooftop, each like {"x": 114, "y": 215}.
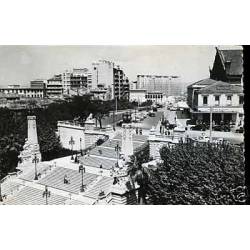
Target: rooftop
{"x": 221, "y": 88}
{"x": 232, "y": 60}
{"x": 203, "y": 82}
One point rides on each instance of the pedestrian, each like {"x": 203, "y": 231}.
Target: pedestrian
{"x": 140, "y": 131}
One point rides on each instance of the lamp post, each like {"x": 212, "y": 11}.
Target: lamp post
{"x": 46, "y": 194}
{"x": 71, "y": 143}
{"x": 81, "y": 146}
{"x": 82, "y": 170}
{"x": 35, "y": 160}
{"x": 117, "y": 150}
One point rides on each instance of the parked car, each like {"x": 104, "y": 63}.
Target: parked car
{"x": 225, "y": 128}
{"x": 171, "y": 126}
{"x": 239, "y": 130}
{"x": 200, "y": 127}
{"x": 151, "y": 114}
{"x": 191, "y": 122}
{"x": 173, "y": 109}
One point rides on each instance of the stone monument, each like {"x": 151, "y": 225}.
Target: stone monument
{"x": 127, "y": 140}
{"x": 90, "y": 123}
{"x": 31, "y": 146}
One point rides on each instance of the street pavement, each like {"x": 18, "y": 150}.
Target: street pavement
{"x": 149, "y": 122}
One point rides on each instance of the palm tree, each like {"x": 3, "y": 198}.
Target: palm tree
{"x": 140, "y": 175}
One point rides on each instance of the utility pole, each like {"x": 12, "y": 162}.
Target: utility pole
{"x": 211, "y": 124}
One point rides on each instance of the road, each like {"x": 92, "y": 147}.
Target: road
{"x": 235, "y": 138}
{"x": 149, "y": 122}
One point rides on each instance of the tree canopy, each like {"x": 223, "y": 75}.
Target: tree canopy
{"x": 199, "y": 174}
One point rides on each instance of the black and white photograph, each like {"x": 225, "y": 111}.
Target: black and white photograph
{"x": 122, "y": 125}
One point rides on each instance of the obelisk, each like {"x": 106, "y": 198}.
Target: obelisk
{"x": 127, "y": 140}
{"x": 31, "y": 147}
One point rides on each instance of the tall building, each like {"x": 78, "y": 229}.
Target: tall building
{"x": 102, "y": 74}
{"x": 75, "y": 79}
{"x": 66, "y": 81}
{"x": 78, "y": 78}
{"x": 54, "y": 86}
{"x": 121, "y": 84}
{"x": 168, "y": 85}
{"x": 38, "y": 84}
{"x": 228, "y": 65}
{"x": 106, "y": 76}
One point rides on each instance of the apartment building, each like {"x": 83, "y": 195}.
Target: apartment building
{"x": 106, "y": 76}
{"x": 54, "y": 87}
{"x": 168, "y": 85}
{"x": 23, "y": 92}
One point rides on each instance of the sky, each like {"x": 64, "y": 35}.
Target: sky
{"x": 20, "y": 64}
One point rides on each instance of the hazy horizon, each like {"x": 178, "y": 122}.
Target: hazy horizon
{"x": 21, "y": 64}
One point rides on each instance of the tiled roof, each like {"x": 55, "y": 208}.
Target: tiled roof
{"x": 207, "y": 81}
{"x": 221, "y": 88}
{"x": 235, "y": 58}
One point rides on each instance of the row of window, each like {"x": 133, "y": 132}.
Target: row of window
{"x": 217, "y": 100}
{"x": 153, "y": 96}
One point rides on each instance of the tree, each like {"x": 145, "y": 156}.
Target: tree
{"x": 99, "y": 109}
{"x": 140, "y": 174}
{"x": 199, "y": 174}
{"x": 9, "y": 151}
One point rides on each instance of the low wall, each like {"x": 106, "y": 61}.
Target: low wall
{"x": 67, "y": 130}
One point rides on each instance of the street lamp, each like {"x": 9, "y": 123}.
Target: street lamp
{"x": 82, "y": 170}
{"x": 35, "y": 160}
{"x": 117, "y": 150}
{"x": 46, "y": 194}
{"x": 81, "y": 146}
{"x": 71, "y": 143}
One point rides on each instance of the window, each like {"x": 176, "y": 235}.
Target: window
{"x": 241, "y": 99}
{"x": 217, "y": 100}
{"x": 229, "y": 100}
{"x": 205, "y": 100}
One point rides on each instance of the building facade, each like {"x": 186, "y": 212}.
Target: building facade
{"x": 168, "y": 85}
{"x": 38, "y": 83}
{"x": 106, "y": 76}
{"x": 54, "y": 87}
{"x": 224, "y": 100}
{"x": 142, "y": 95}
{"x": 137, "y": 95}
{"x": 24, "y": 92}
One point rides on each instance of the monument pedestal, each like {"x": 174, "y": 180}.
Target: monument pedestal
{"x": 31, "y": 147}
{"x": 127, "y": 140}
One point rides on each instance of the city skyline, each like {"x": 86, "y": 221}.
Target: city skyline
{"x": 21, "y": 64}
